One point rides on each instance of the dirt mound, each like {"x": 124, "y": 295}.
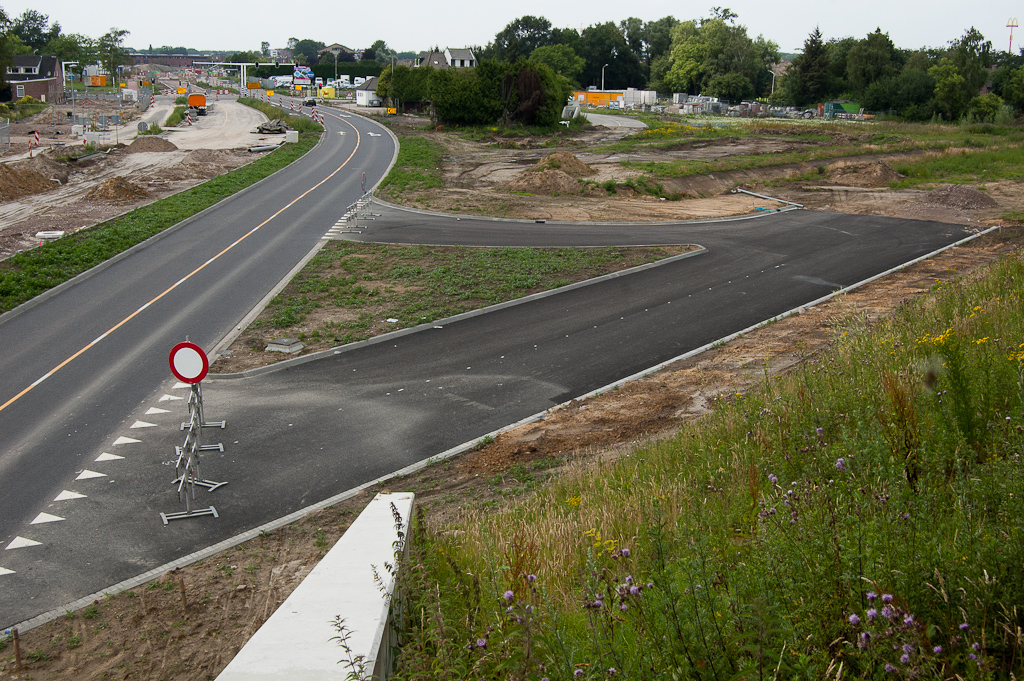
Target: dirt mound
{"x": 150, "y": 143}
{"x": 20, "y": 181}
{"x": 865, "y": 175}
{"x": 545, "y": 182}
{"x": 117, "y": 190}
{"x": 47, "y": 167}
{"x": 565, "y": 161}
{"x": 207, "y": 156}
{"x": 960, "y": 196}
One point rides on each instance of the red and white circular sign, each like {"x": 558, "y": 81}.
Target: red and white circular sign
{"x": 188, "y": 362}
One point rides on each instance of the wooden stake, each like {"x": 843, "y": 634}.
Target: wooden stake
{"x": 17, "y": 651}
{"x": 181, "y": 587}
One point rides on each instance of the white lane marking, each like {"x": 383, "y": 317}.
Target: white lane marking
{"x": 157, "y": 410}
{"x": 145, "y": 306}
{"x": 125, "y": 440}
{"x": 68, "y": 494}
{"x": 40, "y": 380}
{"x": 5, "y": 571}
{"x": 108, "y": 457}
{"x": 98, "y": 339}
{"x": 167, "y": 398}
{"x": 142, "y": 424}
{"x": 87, "y": 475}
{"x": 45, "y": 518}
{"x": 21, "y": 542}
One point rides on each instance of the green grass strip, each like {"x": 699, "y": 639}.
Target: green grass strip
{"x": 29, "y": 273}
{"x": 417, "y": 166}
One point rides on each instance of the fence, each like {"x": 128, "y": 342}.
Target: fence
{"x": 5, "y": 134}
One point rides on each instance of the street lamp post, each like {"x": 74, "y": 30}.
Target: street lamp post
{"x": 602, "y": 76}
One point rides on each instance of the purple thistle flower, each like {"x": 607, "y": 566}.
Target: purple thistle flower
{"x": 908, "y": 648}
{"x": 975, "y": 646}
{"x": 481, "y": 643}
{"x": 650, "y": 585}
{"x": 937, "y": 650}
{"x": 889, "y": 669}
{"x": 634, "y": 590}
{"x": 598, "y": 603}
{"x": 821, "y": 431}
{"x": 871, "y": 595}
{"x": 871, "y": 613}
{"x": 841, "y": 464}
{"x": 965, "y": 626}
{"x": 578, "y": 673}
{"x": 772, "y": 479}
{"x": 887, "y": 598}
{"x": 904, "y": 658}
{"x": 611, "y": 671}
{"x": 908, "y": 620}
{"x": 972, "y": 656}
{"x": 623, "y": 607}
{"x": 625, "y": 553}
{"x": 509, "y": 595}
{"x": 888, "y": 612}
{"x": 531, "y": 578}
{"x": 854, "y": 620}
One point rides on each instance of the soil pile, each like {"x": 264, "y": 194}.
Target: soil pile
{"x": 47, "y": 167}
{"x": 17, "y": 181}
{"x": 117, "y": 190}
{"x": 545, "y": 182}
{"x": 150, "y": 143}
{"x": 865, "y": 175}
{"x": 565, "y": 161}
{"x": 961, "y": 196}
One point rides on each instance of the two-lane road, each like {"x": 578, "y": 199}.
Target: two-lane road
{"x": 77, "y": 362}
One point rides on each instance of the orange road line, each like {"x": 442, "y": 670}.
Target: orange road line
{"x": 188, "y": 276}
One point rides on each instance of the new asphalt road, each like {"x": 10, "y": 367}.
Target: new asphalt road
{"x": 313, "y": 428}
{"x": 77, "y": 363}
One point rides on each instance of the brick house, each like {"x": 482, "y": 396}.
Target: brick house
{"x": 35, "y": 76}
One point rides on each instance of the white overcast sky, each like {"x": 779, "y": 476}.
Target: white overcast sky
{"x": 421, "y": 24}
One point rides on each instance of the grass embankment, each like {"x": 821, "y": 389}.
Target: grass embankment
{"x": 860, "y": 517}
{"x": 357, "y": 287}
{"x": 29, "y": 273}
{"x": 175, "y": 117}
{"x": 825, "y": 141}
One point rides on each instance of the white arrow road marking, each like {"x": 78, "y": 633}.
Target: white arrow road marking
{"x": 108, "y": 457}
{"x": 67, "y": 494}
{"x": 142, "y": 424}
{"x": 87, "y": 474}
{"x": 179, "y": 384}
{"x": 374, "y": 134}
{"x": 21, "y": 542}
{"x": 45, "y": 518}
{"x": 157, "y": 410}
{"x": 342, "y": 132}
{"x": 167, "y": 398}
{"x": 5, "y": 571}
{"x": 125, "y": 441}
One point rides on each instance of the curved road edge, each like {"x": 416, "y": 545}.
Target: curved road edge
{"x": 229, "y": 338}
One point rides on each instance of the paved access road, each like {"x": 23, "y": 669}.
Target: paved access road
{"x": 76, "y": 365}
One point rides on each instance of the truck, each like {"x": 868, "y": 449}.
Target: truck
{"x": 197, "y": 101}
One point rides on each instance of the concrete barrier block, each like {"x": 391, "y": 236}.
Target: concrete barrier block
{"x": 298, "y": 642}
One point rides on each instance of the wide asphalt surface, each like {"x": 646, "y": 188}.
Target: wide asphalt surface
{"x": 101, "y": 346}
{"x": 310, "y": 429}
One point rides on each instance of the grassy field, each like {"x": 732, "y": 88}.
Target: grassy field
{"x": 861, "y": 517}
{"x": 981, "y": 151}
{"x": 29, "y": 273}
{"x": 356, "y": 288}
{"x": 416, "y": 166}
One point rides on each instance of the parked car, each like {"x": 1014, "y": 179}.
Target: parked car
{"x": 309, "y": 101}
